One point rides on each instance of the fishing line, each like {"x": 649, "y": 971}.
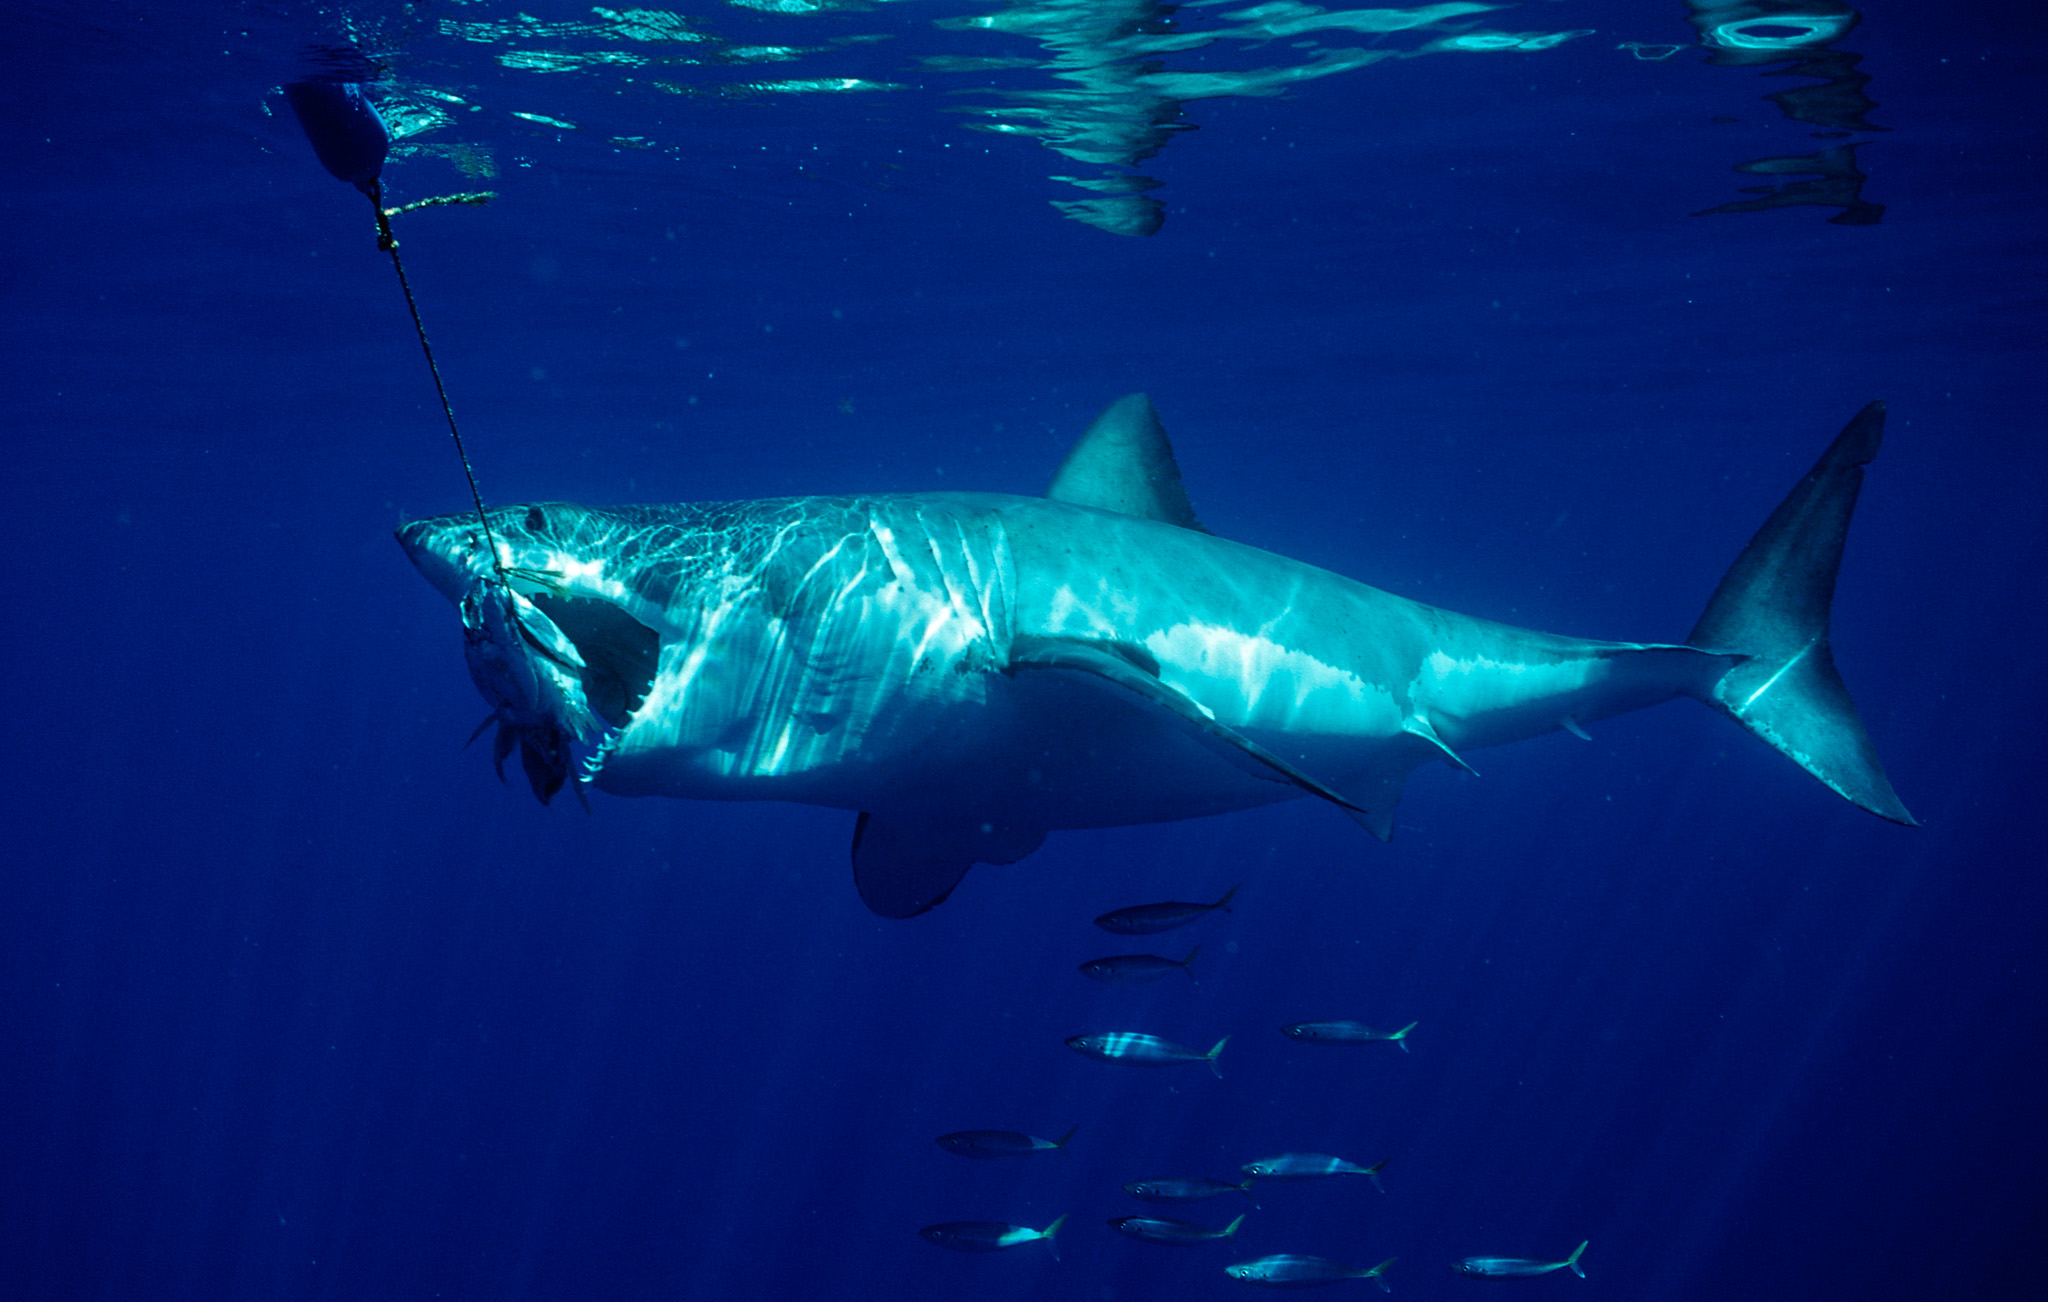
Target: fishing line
{"x": 351, "y": 140}
{"x": 389, "y": 243}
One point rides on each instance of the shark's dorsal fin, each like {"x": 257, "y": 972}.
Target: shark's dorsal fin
{"x": 1125, "y": 464}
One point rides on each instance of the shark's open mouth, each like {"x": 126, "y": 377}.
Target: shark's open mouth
{"x": 620, "y": 654}
{"x": 564, "y": 675}
{"x": 562, "y": 667}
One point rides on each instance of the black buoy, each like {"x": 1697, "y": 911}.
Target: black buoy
{"x": 350, "y": 139}
{"x": 346, "y": 132}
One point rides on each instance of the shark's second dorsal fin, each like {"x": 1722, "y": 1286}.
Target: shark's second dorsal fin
{"x": 1125, "y": 464}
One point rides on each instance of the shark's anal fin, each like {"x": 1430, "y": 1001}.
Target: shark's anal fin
{"x": 907, "y": 866}
{"x": 1125, "y": 464}
{"x": 1130, "y": 668}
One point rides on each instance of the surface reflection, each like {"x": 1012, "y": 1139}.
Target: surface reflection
{"x": 1835, "y": 182}
{"x": 1103, "y": 84}
{"x": 1799, "y": 34}
{"x": 1119, "y": 101}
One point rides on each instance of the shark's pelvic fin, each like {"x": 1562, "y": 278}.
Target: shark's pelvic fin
{"x": 1772, "y": 609}
{"x": 1417, "y": 726}
{"x": 1124, "y": 463}
{"x": 1125, "y": 666}
{"x": 904, "y": 867}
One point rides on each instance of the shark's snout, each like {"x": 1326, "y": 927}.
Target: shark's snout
{"x": 444, "y": 549}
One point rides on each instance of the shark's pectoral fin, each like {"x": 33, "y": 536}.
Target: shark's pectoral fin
{"x": 1134, "y": 670}
{"x": 1377, "y": 816}
{"x": 907, "y": 866}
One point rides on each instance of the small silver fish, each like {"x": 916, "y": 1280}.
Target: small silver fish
{"x": 1183, "y": 1191}
{"x": 1286, "y": 1270}
{"x": 1160, "y": 1229}
{"x": 1133, "y": 1049}
{"x": 1144, "y": 919}
{"x": 1346, "y": 1033}
{"x": 1517, "y": 1267}
{"x": 988, "y": 1236}
{"x": 999, "y": 1143}
{"x": 1129, "y": 969}
{"x": 1311, "y": 1166}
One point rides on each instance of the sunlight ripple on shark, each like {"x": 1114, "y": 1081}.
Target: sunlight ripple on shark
{"x": 972, "y": 670}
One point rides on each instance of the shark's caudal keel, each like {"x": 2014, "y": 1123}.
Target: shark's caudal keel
{"x": 969, "y": 671}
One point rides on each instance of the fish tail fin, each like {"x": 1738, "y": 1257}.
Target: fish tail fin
{"x": 1224, "y": 903}
{"x": 1573, "y": 1260}
{"x": 1400, "y": 1037}
{"x": 1061, "y": 1142}
{"x": 1211, "y": 1056}
{"x": 1231, "y": 1228}
{"x": 1187, "y": 965}
{"x": 1771, "y": 610}
{"x": 1378, "y": 1274}
{"x": 1051, "y": 1230}
{"x": 1372, "y": 1173}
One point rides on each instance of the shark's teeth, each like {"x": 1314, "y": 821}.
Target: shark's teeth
{"x": 594, "y": 762}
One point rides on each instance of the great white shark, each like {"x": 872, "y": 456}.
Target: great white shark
{"x": 969, "y": 671}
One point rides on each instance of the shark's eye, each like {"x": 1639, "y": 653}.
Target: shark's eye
{"x": 536, "y": 519}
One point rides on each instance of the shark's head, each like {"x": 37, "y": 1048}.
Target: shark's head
{"x": 561, "y": 663}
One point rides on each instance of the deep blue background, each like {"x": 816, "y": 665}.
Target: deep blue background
{"x": 299, "y": 1002}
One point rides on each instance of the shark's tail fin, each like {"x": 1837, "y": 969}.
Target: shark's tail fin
{"x": 1573, "y": 1260}
{"x": 1772, "y": 610}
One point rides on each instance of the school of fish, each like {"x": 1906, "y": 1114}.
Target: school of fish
{"x": 1142, "y": 1049}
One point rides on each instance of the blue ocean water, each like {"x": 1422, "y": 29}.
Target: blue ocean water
{"x": 300, "y": 1002}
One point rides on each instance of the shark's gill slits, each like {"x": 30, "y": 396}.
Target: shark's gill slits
{"x": 620, "y": 654}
